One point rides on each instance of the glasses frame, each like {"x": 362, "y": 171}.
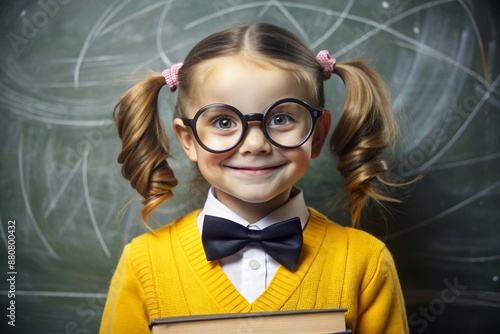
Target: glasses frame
{"x": 253, "y": 117}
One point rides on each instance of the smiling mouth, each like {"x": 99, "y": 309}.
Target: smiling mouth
{"x": 255, "y": 170}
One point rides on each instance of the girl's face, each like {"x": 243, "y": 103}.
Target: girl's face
{"x": 255, "y": 175}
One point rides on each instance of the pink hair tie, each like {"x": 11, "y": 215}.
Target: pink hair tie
{"x": 170, "y": 75}
{"x": 327, "y": 62}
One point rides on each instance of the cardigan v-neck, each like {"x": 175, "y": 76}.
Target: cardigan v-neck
{"x": 217, "y": 285}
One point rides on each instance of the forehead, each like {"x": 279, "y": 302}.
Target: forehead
{"x": 245, "y": 84}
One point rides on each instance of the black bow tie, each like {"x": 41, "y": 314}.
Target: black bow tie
{"x": 282, "y": 241}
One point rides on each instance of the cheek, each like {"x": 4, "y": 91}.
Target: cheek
{"x": 300, "y": 158}
{"x": 299, "y": 154}
{"x": 209, "y": 163}
{"x": 207, "y": 171}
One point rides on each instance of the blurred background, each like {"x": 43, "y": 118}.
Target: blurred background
{"x": 65, "y": 63}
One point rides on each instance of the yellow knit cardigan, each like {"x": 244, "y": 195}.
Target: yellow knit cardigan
{"x": 165, "y": 273}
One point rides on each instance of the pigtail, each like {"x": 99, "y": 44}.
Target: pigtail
{"x": 366, "y": 130}
{"x": 145, "y": 146}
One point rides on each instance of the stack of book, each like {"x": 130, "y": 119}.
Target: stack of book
{"x": 289, "y": 322}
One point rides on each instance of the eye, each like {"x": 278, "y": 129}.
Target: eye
{"x": 281, "y": 119}
{"x": 223, "y": 122}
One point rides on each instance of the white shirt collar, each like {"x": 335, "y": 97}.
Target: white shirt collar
{"x": 295, "y": 207}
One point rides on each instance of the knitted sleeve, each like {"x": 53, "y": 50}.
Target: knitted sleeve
{"x": 125, "y": 310}
{"x": 381, "y": 305}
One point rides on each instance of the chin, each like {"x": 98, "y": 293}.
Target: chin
{"x": 256, "y": 199}
{"x": 260, "y": 197}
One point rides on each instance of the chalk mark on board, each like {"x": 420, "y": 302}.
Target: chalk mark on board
{"x": 22, "y": 106}
{"x": 423, "y": 49}
{"x": 69, "y": 220}
{"x": 467, "y": 162}
{"x": 58, "y": 294}
{"x": 291, "y": 19}
{"x": 106, "y": 16}
{"x": 377, "y": 27}
{"x": 221, "y": 12}
{"x": 463, "y": 259}
{"x": 159, "y": 30}
{"x": 418, "y": 45}
{"x": 4, "y": 236}
{"x": 63, "y": 187}
{"x": 446, "y": 212}
{"x": 265, "y": 9}
{"x": 478, "y": 36}
{"x": 27, "y": 113}
{"x": 89, "y": 204}
{"x": 31, "y": 217}
{"x": 126, "y": 19}
{"x": 462, "y": 128}
{"x": 334, "y": 28}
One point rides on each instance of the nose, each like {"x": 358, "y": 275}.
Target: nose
{"x": 255, "y": 142}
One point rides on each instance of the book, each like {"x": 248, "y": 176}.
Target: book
{"x": 290, "y": 322}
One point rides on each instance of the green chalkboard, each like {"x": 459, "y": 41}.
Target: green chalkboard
{"x": 68, "y": 212}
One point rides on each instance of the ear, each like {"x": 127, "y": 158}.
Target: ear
{"x": 187, "y": 139}
{"x": 320, "y": 133}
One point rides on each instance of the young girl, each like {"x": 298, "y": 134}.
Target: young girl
{"x": 250, "y": 114}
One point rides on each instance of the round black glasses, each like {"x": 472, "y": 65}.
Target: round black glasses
{"x": 287, "y": 123}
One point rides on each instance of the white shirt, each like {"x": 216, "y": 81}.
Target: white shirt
{"x": 252, "y": 269}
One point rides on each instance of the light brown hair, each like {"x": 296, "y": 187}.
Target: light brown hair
{"x": 366, "y": 128}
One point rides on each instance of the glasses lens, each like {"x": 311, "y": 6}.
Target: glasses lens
{"x": 288, "y": 124}
{"x": 219, "y": 128}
